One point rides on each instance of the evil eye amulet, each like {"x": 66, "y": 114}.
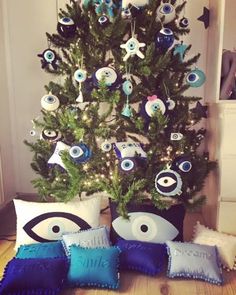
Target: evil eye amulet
{"x": 127, "y": 165}
{"x": 164, "y": 39}
{"x": 103, "y": 20}
{"x": 51, "y": 135}
{"x": 80, "y": 75}
{"x": 184, "y": 23}
{"x": 50, "y": 102}
{"x": 196, "y": 78}
{"x": 49, "y": 55}
{"x": 108, "y": 74}
{"x": 127, "y": 87}
{"x": 106, "y": 146}
{"x": 80, "y": 153}
{"x": 126, "y": 14}
{"x": 166, "y": 11}
{"x": 152, "y": 106}
{"x": 168, "y": 183}
{"x": 66, "y": 27}
{"x": 182, "y": 164}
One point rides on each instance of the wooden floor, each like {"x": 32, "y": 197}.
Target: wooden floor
{"x": 131, "y": 283}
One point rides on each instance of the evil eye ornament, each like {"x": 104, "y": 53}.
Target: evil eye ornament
{"x": 49, "y": 57}
{"x": 80, "y": 75}
{"x": 56, "y": 156}
{"x": 196, "y": 78}
{"x": 126, "y": 14}
{"x": 127, "y": 149}
{"x": 103, "y": 20}
{"x": 152, "y": 104}
{"x": 106, "y": 146}
{"x": 127, "y": 165}
{"x": 109, "y": 6}
{"x": 184, "y": 23}
{"x": 127, "y": 87}
{"x": 167, "y": 11}
{"x": 66, "y": 27}
{"x": 80, "y": 153}
{"x": 168, "y": 183}
{"x": 164, "y": 39}
{"x": 132, "y": 47}
{"x": 146, "y": 227}
{"x": 50, "y": 135}
{"x": 50, "y": 102}
{"x": 182, "y": 164}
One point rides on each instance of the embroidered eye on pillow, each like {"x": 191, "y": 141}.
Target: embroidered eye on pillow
{"x": 46, "y": 222}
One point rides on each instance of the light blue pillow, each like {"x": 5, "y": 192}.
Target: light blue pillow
{"x": 195, "y": 261}
{"x": 41, "y": 250}
{"x": 94, "y": 267}
{"x": 92, "y": 238}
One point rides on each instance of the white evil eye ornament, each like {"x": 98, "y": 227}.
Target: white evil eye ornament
{"x": 106, "y": 146}
{"x": 109, "y": 74}
{"x": 127, "y": 87}
{"x": 146, "y": 227}
{"x": 152, "y": 105}
{"x": 50, "y": 102}
{"x": 182, "y": 164}
{"x": 51, "y": 135}
{"x": 126, "y": 14}
{"x": 132, "y": 47}
{"x": 49, "y": 57}
{"x": 184, "y": 23}
{"x": 196, "y": 78}
{"x": 164, "y": 39}
{"x": 80, "y": 153}
{"x": 167, "y": 11}
{"x": 80, "y": 75}
{"x": 168, "y": 183}
{"x": 127, "y": 165}
{"x": 129, "y": 150}
{"x": 56, "y": 156}
{"x": 103, "y": 20}
{"x": 66, "y": 27}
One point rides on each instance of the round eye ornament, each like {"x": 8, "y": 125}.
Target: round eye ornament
{"x": 51, "y": 135}
{"x": 164, "y": 39}
{"x": 80, "y": 153}
{"x": 182, "y": 164}
{"x": 66, "y": 27}
{"x": 167, "y": 11}
{"x": 184, "y": 23}
{"x": 103, "y": 21}
{"x": 109, "y": 74}
{"x": 106, "y": 146}
{"x": 196, "y": 78}
{"x": 151, "y": 105}
{"x": 168, "y": 183}
{"x": 49, "y": 57}
{"x": 50, "y": 102}
{"x": 126, "y": 14}
{"x": 127, "y": 165}
{"x": 80, "y": 75}
{"x": 127, "y": 87}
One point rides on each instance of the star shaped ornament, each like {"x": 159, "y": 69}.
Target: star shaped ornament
{"x": 205, "y": 17}
{"x": 132, "y": 47}
{"x": 180, "y": 50}
{"x": 56, "y": 156}
{"x": 201, "y": 110}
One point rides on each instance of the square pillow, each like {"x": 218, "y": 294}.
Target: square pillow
{"x": 144, "y": 257}
{"x": 46, "y": 222}
{"x": 94, "y": 267}
{"x": 226, "y": 244}
{"x": 34, "y": 276}
{"x": 41, "y": 250}
{"x": 195, "y": 261}
{"x": 91, "y": 238}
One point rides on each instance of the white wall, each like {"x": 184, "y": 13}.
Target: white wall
{"x": 26, "y": 22}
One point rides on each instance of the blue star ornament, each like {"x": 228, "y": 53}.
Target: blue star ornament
{"x": 205, "y": 17}
{"x": 180, "y": 50}
{"x": 201, "y": 110}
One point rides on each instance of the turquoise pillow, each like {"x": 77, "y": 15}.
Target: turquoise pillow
{"x": 195, "y": 261}
{"x": 94, "y": 267}
{"x": 41, "y": 250}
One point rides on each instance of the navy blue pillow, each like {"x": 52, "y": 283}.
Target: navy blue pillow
{"x": 144, "y": 257}
{"x": 34, "y": 276}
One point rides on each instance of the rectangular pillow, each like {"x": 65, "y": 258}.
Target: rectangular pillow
{"x": 46, "y": 222}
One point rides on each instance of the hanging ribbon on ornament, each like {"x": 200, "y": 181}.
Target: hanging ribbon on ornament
{"x": 80, "y": 75}
{"x": 127, "y": 88}
{"x": 170, "y": 102}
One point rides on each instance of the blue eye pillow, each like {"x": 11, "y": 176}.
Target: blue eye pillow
{"x": 92, "y": 238}
{"x": 195, "y": 261}
{"x": 143, "y": 257}
{"x": 97, "y": 267}
{"x": 34, "y": 276}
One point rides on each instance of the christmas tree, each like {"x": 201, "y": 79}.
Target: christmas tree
{"x": 118, "y": 121}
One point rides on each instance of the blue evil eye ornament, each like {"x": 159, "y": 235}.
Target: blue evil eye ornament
{"x": 112, "y": 80}
{"x": 66, "y": 27}
{"x": 80, "y": 75}
{"x": 164, "y": 39}
{"x": 50, "y": 135}
{"x": 184, "y": 23}
{"x": 103, "y": 21}
{"x": 151, "y": 105}
{"x": 127, "y": 87}
{"x": 50, "y": 102}
{"x": 49, "y": 57}
{"x": 80, "y": 153}
{"x": 168, "y": 183}
{"x": 182, "y": 164}
{"x": 196, "y": 78}
{"x": 126, "y": 14}
{"x": 165, "y": 11}
{"x": 127, "y": 165}
{"x": 106, "y": 146}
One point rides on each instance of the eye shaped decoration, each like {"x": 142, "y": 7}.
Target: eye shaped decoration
{"x": 127, "y": 87}
{"x": 168, "y": 183}
{"x": 106, "y": 146}
{"x": 127, "y": 165}
{"x": 182, "y": 163}
{"x": 184, "y": 23}
{"x": 109, "y": 3}
{"x": 50, "y": 226}
{"x": 196, "y": 78}
{"x": 108, "y": 73}
{"x": 80, "y": 75}
{"x": 146, "y": 227}
{"x": 80, "y": 153}
{"x": 126, "y": 13}
{"x": 50, "y": 102}
{"x": 164, "y": 39}
{"x": 66, "y": 27}
{"x": 152, "y": 106}
{"x": 103, "y": 20}
{"x": 49, "y": 57}
{"x": 75, "y": 152}
{"x": 51, "y": 135}
{"x": 168, "y": 11}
